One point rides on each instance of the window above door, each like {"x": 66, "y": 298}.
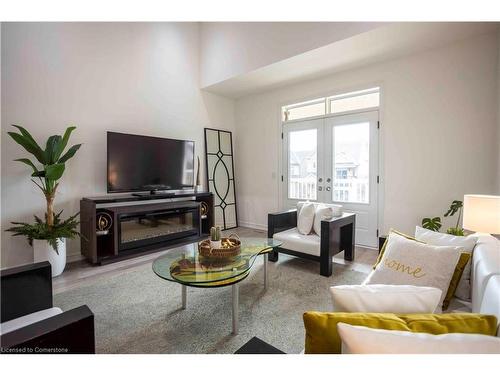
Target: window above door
{"x": 346, "y": 102}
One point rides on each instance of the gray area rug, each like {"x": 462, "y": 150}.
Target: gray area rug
{"x": 137, "y": 312}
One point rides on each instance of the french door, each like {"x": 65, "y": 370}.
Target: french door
{"x": 334, "y": 159}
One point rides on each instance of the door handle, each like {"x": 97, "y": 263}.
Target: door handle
{"x": 328, "y": 188}
{"x": 320, "y": 179}
{"x": 328, "y": 179}
{"x": 320, "y": 188}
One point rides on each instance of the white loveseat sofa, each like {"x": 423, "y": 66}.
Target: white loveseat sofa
{"x": 485, "y": 278}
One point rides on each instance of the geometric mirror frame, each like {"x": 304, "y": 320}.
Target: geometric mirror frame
{"x": 220, "y": 176}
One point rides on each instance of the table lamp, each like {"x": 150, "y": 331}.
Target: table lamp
{"x": 482, "y": 213}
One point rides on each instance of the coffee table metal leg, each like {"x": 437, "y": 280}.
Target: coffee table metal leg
{"x": 184, "y": 296}
{"x": 265, "y": 271}
{"x": 235, "y": 292}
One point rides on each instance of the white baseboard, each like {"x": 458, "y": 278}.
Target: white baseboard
{"x": 247, "y": 224}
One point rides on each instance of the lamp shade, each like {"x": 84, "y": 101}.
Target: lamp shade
{"x": 482, "y": 213}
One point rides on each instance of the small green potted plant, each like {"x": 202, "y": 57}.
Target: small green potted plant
{"x": 434, "y": 223}
{"x": 456, "y": 206}
{"x": 215, "y": 238}
{"x": 47, "y": 236}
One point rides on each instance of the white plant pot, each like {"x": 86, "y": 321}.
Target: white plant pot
{"x": 44, "y": 251}
{"x": 215, "y": 244}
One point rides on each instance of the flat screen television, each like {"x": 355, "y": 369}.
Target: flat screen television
{"x": 141, "y": 163}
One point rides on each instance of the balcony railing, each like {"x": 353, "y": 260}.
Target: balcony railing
{"x": 306, "y": 188}
{"x": 302, "y": 188}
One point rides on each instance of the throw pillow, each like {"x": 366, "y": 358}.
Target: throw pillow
{"x": 467, "y": 243}
{"x": 322, "y": 336}
{"x": 322, "y": 213}
{"x": 305, "y": 218}
{"x": 397, "y": 299}
{"x": 363, "y": 340}
{"x": 408, "y": 262}
{"x": 382, "y": 250}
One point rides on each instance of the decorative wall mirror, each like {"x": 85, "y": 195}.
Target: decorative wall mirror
{"x": 220, "y": 176}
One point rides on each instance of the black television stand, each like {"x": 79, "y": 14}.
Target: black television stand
{"x": 141, "y": 223}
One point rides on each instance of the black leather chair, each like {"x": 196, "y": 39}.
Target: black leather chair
{"x": 26, "y": 290}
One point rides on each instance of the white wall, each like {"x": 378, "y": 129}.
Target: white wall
{"x": 129, "y": 77}
{"x": 498, "y": 116}
{"x": 439, "y": 119}
{"x": 229, "y": 49}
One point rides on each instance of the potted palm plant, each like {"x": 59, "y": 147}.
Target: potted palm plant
{"x": 48, "y": 237}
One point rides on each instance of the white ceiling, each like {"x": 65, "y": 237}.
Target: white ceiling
{"x": 384, "y": 43}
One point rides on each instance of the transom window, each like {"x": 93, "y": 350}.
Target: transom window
{"x": 351, "y": 101}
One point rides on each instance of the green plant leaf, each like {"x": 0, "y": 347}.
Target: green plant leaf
{"x": 28, "y": 162}
{"x": 454, "y": 207}
{"x": 38, "y": 174}
{"x": 433, "y": 224}
{"x": 68, "y": 155}
{"x": 51, "y": 148}
{"x": 42, "y": 188}
{"x": 29, "y": 146}
{"x": 64, "y": 142}
{"x": 54, "y": 171}
{"x": 26, "y": 134}
{"x": 456, "y": 231}
{"x": 41, "y": 231}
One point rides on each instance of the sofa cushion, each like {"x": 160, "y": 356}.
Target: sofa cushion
{"x": 305, "y": 218}
{"x": 322, "y": 336}
{"x": 26, "y": 320}
{"x": 322, "y": 212}
{"x": 397, "y": 299}
{"x": 467, "y": 243}
{"x": 293, "y": 240}
{"x": 364, "y": 340}
{"x": 326, "y": 211}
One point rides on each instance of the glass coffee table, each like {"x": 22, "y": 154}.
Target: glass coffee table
{"x": 185, "y": 266}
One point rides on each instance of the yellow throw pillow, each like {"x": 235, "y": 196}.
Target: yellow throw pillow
{"x": 322, "y": 336}
{"x": 457, "y": 275}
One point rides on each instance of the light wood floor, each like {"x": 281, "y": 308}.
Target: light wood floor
{"x": 81, "y": 272}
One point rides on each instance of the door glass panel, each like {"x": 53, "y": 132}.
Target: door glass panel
{"x": 351, "y": 163}
{"x": 302, "y": 164}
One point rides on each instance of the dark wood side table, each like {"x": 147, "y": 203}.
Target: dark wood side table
{"x": 381, "y": 241}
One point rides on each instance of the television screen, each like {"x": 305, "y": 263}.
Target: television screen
{"x": 140, "y": 163}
